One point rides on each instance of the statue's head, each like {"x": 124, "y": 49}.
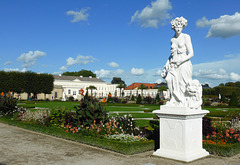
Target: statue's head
{"x": 179, "y": 22}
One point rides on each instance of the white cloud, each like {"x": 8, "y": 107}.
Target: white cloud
{"x": 113, "y": 64}
{"x": 63, "y": 68}
{"x": 14, "y": 69}
{"x": 218, "y": 71}
{"x": 137, "y": 71}
{"x": 211, "y": 74}
{"x": 158, "y": 72}
{"x": 8, "y": 63}
{"x": 29, "y": 59}
{"x": 153, "y": 15}
{"x": 79, "y": 15}
{"x": 225, "y": 26}
{"x": 159, "y": 81}
{"x": 235, "y": 76}
{"x": 80, "y": 60}
{"x": 109, "y": 74}
{"x": 103, "y": 73}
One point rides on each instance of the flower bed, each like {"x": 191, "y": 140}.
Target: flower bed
{"x": 222, "y": 140}
{"x": 114, "y": 145}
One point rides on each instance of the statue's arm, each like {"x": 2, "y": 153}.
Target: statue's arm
{"x": 189, "y": 46}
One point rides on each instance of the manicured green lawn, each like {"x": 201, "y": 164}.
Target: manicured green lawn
{"x": 223, "y": 113}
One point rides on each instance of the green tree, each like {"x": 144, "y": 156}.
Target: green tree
{"x": 91, "y": 87}
{"x": 157, "y": 99}
{"x": 223, "y": 98}
{"x": 234, "y": 100}
{"x": 142, "y": 87}
{"x": 230, "y": 84}
{"x": 83, "y": 72}
{"x": 221, "y": 85}
{"x": 133, "y": 98}
{"x": 121, "y": 86}
{"x": 117, "y": 80}
{"x": 139, "y": 99}
{"x": 161, "y": 89}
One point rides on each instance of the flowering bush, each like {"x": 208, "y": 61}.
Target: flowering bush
{"x": 125, "y": 138}
{"x": 8, "y": 104}
{"x": 90, "y": 110}
{"x": 222, "y": 134}
{"x": 37, "y": 117}
{"x": 127, "y": 125}
{"x": 235, "y": 122}
{"x": 97, "y": 130}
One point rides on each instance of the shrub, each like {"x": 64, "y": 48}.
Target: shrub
{"x": 207, "y": 126}
{"x": 71, "y": 98}
{"x": 124, "y": 101}
{"x": 90, "y": 110}
{"x": 222, "y": 149}
{"x": 8, "y": 104}
{"x": 70, "y": 118}
{"x": 132, "y": 98}
{"x": 148, "y": 100}
{"x": 234, "y": 100}
{"x": 127, "y": 125}
{"x": 139, "y": 99}
{"x": 57, "y": 117}
{"x": 157, "y": 99}
{"x": 116, "y": 100}
{"x": 234, "y": 122}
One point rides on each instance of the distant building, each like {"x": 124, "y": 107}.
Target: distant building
{"x": 206, "y": 86}
{"x": 70, "y": 86}
{"x": 152, "y": 90}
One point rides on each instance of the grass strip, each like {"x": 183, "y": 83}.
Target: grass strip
{"x": 117, "y": 146}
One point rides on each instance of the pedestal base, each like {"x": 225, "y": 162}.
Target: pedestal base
{"x": 180, "y": 133}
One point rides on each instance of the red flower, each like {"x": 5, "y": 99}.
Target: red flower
{"x": 67, "y": 130}
{"x": 214, "y": 133}
{"x": 104, "y": 100}
{"x": 2, "y": 94}
{"x": 231, "y": 130}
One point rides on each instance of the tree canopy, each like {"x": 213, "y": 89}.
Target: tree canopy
{"x": 117, "y": 80}
{"x": 83, "y": 72}
{"x": 28, "y": 82}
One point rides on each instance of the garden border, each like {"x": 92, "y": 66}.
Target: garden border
{"x": 117, "y": 146}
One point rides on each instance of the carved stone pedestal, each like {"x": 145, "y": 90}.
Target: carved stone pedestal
{"x": 180, "y": 133}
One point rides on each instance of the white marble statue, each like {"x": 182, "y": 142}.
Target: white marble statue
{"x": 178, "y": 70}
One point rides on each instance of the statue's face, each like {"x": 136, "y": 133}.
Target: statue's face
{"x": 178, "y": 29}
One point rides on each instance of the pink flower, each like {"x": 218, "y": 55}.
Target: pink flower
{"x": 227, "y": 135}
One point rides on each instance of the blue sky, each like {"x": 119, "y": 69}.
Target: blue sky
{"x": 119, "y": 38}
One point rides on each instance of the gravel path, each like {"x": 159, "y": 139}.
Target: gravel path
{"x": 19, "y": 147}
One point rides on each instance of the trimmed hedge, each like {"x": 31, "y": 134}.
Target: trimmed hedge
{"x": 117, "y": 146}
{"x": 222, "y": 150}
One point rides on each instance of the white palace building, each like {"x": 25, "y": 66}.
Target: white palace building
{"x": 70, "y": 86}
